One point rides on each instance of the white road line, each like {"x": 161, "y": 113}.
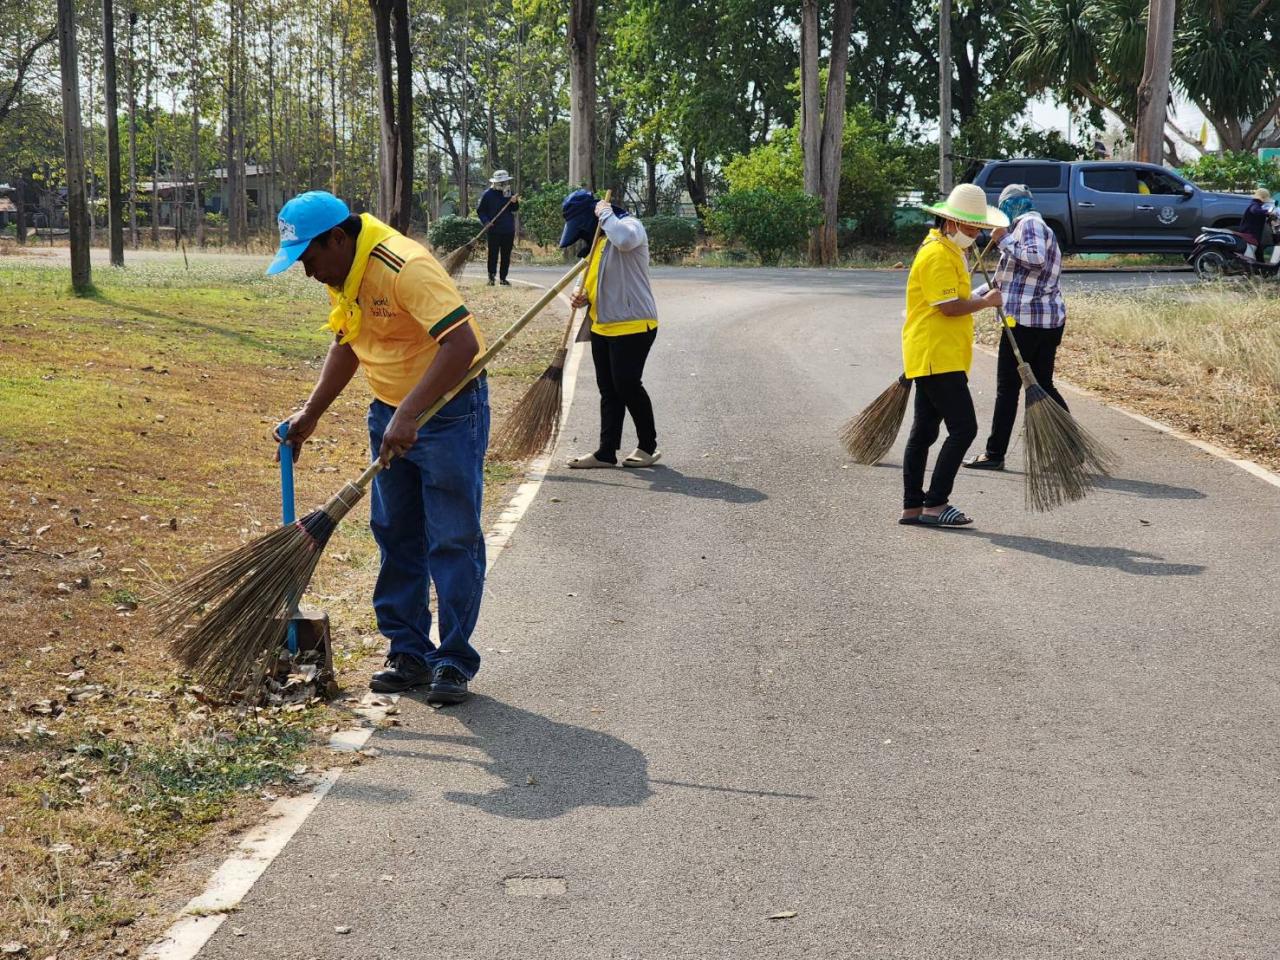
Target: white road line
{"x": 200, "y": 919}
{"x": 1248, "y": 466}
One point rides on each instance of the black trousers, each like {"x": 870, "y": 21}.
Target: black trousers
{"x": 1039, "y": 346}
{"x": 619, "y": 368}
{"x": 940, "y": 397}
{"x": 500, "y": 243}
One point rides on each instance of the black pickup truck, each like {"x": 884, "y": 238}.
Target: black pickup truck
{"x": 1113, "y": 207}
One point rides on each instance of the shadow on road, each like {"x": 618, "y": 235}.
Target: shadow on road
{"x": 1118, "y": 558}
{"x": 664, "y": 479}
{"x": 1149, "y": 489}
{"x": 547, "y": 768}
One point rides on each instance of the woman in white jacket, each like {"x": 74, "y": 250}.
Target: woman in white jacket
{"x": 624, "y": 325}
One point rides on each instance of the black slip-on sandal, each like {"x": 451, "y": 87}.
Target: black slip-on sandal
{"x": 950, "y": 517}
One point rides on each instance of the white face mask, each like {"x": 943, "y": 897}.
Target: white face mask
{"x": 962, "y": 239}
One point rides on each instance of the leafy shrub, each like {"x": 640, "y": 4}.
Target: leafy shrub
{"x": 1235, "y": 171}
{"x": 768, "y": 222}
{"x": 449, "y": 233}
{"x": 876, "y": 167}
{"x": 540, "y": 215}
{"x": 777, "y": 165}
{"x": 671, "y": 239}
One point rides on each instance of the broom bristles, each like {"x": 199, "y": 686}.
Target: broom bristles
{"x": 535, "y": 420}
{"x": 226, "y": 622}
{"x": 868, "y": 436}
{"x": 457, "y": 258}
{"x": 1063, "y": 459}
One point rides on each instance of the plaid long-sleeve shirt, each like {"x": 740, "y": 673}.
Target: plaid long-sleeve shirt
{"x": 1028, "y": 272}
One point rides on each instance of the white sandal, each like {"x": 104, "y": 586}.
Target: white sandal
{"x": 588, "y": 461}
{"x": 639, "y": 458}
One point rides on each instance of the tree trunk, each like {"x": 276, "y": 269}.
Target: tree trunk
{"x": 196, "y": 211}
{"x": 90, "y": 182}
{"x": 584, "y": 35}
{"x": 77, "y": 205}
{"x": 404, "y": 117}
{"x": 695, "y": 181}
{"x": 132, "y": 77}
{"x": 20, "y": 200}
{"x": 810, "y": 107}
{"x": 945, "y": 173}
{"x": 271, "y": 121}
{"x": 464, "y": 174}
{"x": 651, "y": 184}
{"x": 822, "y": 125}
{"x": 833, "y": 130}
{"x": 115, "y": 220}
{"x": 242, "y": 113}
{"x": 1153, "y": 91}
{"x": 395, "y": 154}
{"x": 155, "y": 145}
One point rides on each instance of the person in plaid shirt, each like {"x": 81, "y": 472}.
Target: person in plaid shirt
{"x": 1027, "y": 278}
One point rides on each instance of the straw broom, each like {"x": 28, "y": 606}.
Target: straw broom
{"x": 868, "y": 436}
{"x": 535, "y": 419}
{"x": 1063, "y": 459}
{"x": 227, "y": 622}
{"x": 457, "y": 258}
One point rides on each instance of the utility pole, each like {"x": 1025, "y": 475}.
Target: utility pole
{"x": 77, "y": 204}
{"x": 944, "y": 96}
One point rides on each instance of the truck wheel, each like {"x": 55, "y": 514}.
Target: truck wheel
{"x": 1210, "y": 265}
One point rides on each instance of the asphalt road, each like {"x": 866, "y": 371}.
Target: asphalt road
{"x": 732, "y": 687}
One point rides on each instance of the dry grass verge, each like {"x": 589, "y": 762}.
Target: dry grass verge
{"x": 133, "y": 444}
{"x": 1204, "y": 359}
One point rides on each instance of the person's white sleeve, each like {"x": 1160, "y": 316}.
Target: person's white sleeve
{"x": 625, "y": 233}
{"x": 1025, "y": 243}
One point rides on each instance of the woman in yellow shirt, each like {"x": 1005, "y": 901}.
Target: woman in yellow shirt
{"x": 624, "y": 325}
{"x": 937, "y": 351}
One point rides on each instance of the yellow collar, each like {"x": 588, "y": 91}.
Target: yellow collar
{"x": 344, "y": 318}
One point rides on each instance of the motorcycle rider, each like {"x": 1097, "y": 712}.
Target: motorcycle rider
{"x": 1254, "y": 221}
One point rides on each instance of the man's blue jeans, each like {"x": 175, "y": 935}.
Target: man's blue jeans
{"x": 425, "y": 516}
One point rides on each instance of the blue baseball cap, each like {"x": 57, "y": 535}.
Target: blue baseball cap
{"x": 579, "y": 209}
{"x": 301, "y": 220}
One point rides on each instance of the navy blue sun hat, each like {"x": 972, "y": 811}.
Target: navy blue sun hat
{"x": 579, "y": 209}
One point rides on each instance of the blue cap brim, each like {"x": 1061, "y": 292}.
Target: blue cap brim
{"x": 574, "y": 228}
{"x": 286, "y": 257}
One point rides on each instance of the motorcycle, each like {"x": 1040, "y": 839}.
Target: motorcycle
{"x": 1222, "y": 253}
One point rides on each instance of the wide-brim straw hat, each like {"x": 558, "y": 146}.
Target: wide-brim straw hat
{"x": 1263, "y": 194}
{"x": 500, "y": 176}
{"x": 968, "y": 204}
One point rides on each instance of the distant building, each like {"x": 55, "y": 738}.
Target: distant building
{"x": 265, "y": 198}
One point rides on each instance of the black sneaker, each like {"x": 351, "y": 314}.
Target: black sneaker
{"x": 403, "y": 671}
{"x": 985, "y": 461}
{"x": 448, "y": 686}
{"x": 505, "y": 282}
{"x": 491, "y": 281}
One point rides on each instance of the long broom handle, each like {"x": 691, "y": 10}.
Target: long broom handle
{"x": 573, "y": 311}
{"x": 363, "y": 481}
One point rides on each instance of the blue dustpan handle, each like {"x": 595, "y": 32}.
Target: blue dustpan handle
{"x": 286, "y": 505}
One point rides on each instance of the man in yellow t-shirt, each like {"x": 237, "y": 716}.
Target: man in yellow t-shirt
{"x": 937, "y": 351}
{"x": 398, "y": 317}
